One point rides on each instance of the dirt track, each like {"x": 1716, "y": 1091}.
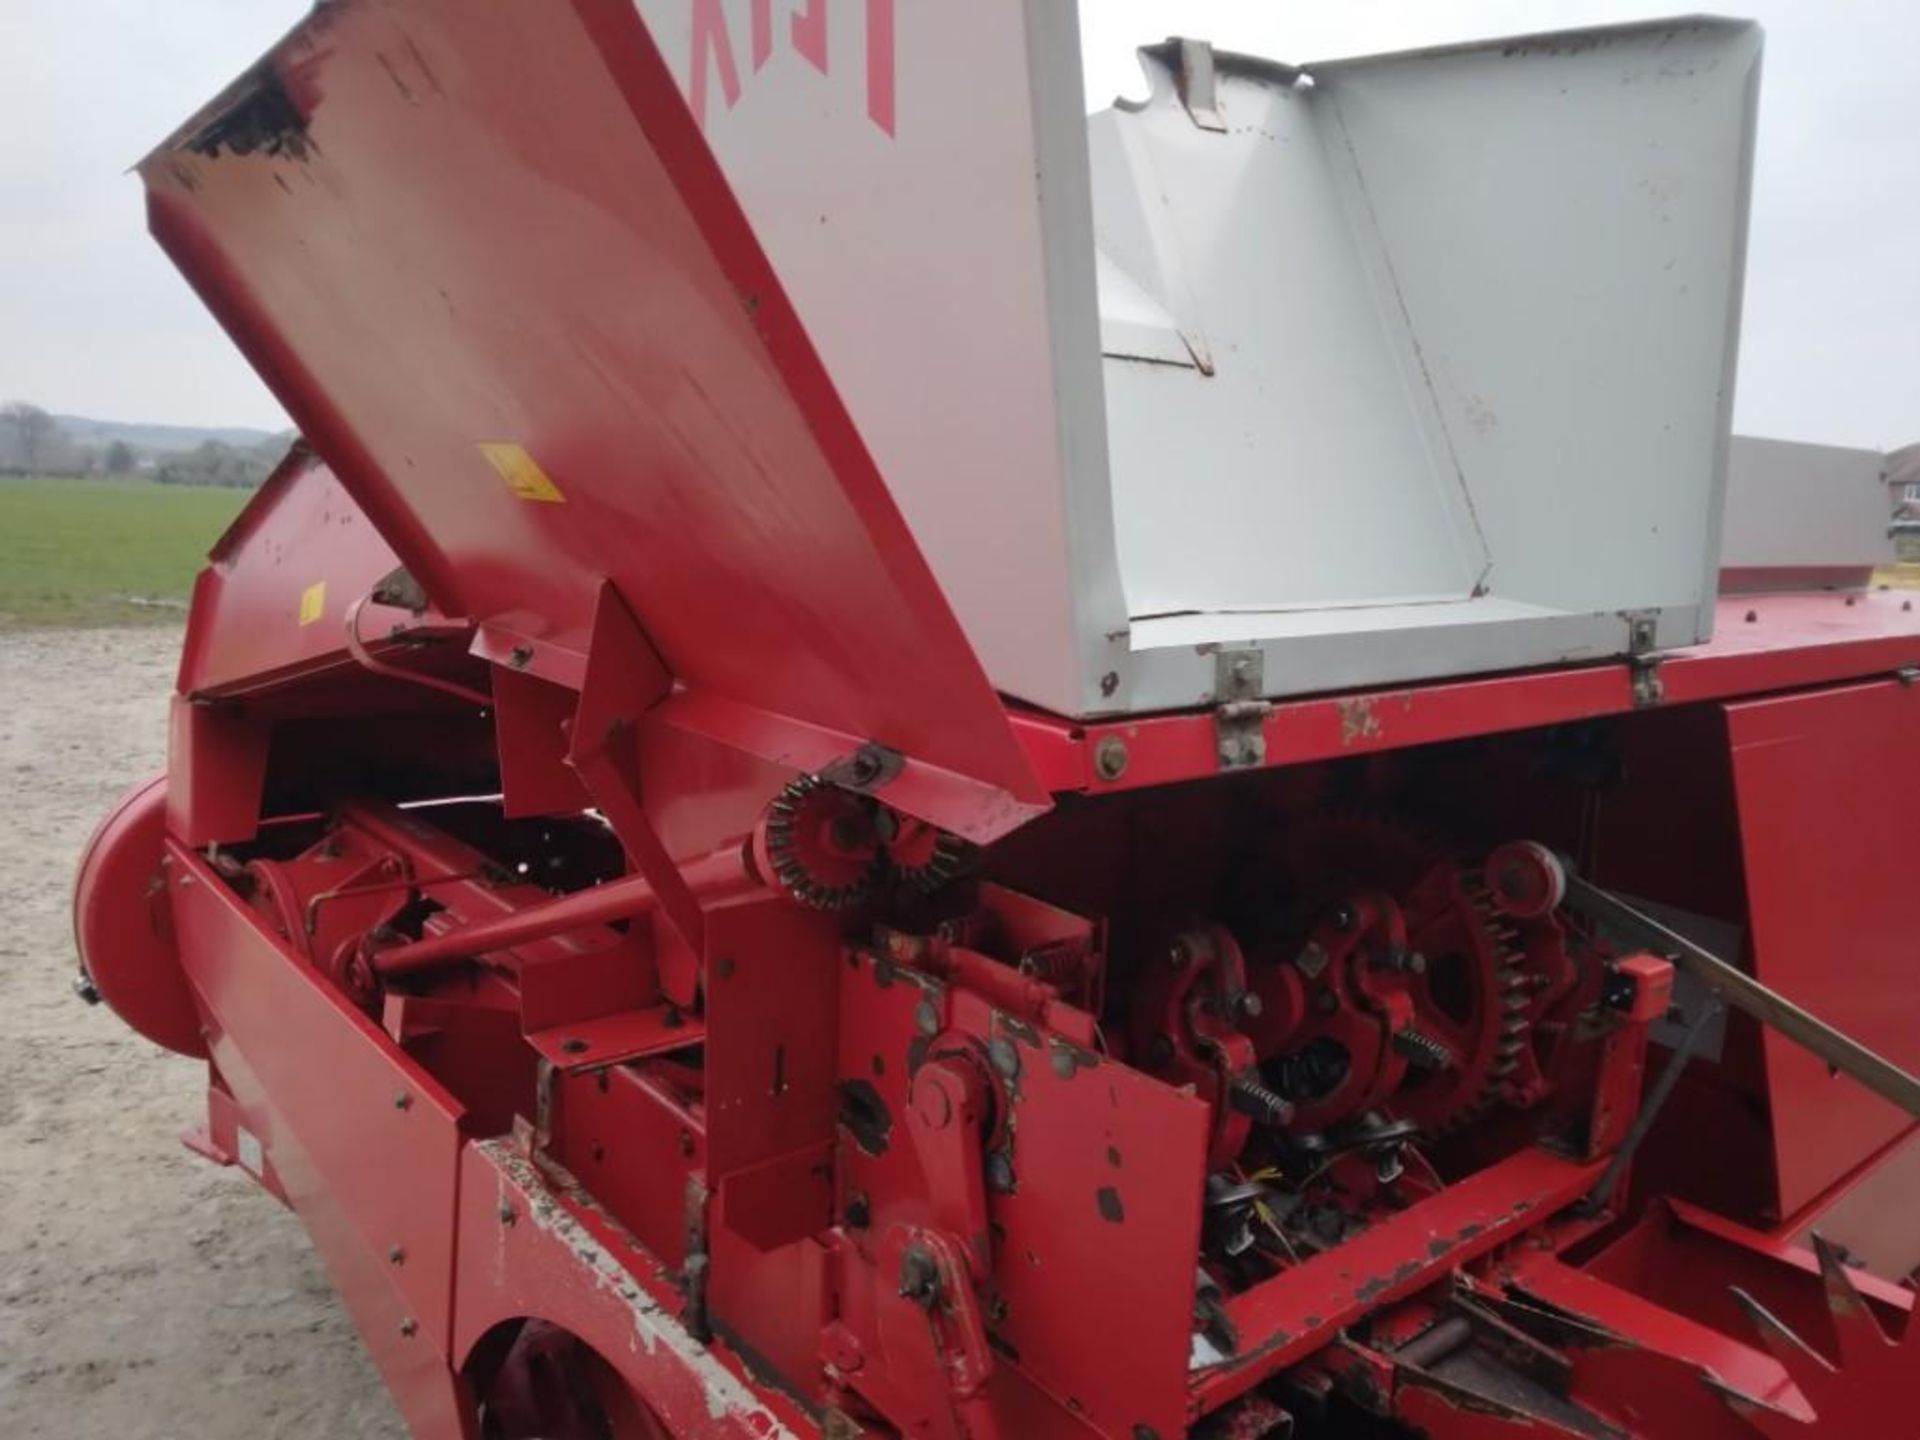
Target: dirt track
{"x": 143, "y": 1292}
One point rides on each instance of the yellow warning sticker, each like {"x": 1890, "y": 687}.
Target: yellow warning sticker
{"x": 313, "y": 602}
{"x": 521, "y": 471}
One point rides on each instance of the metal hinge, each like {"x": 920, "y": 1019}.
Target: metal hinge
{"x": 1240, "y": 718}
{"x": 1642, "y": 629}
{"x": 1648, "y": 690}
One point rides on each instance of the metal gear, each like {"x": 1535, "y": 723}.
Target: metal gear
{"x": 820, "y": 844}
{"x": 1471, "y": 1002}
{"x": 920, "y": 856}
{"x": 1467, "y": 974}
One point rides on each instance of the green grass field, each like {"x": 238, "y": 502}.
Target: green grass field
{"x": 85, "y": 552}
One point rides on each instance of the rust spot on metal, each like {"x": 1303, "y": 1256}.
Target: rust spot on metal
{"x": 655, "y": 1328}
{"x": 1069, "y": 1059}
{"x": 1358, "y": 721}
{"x": 1019, "y": 1029}
{"x": 1400, "y": 1275}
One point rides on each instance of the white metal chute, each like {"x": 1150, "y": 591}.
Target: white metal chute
{"x": 1389, "y": 369}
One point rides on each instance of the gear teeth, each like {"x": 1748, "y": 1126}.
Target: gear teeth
{"x": 780, "y": 832}
{"x": 949, "y": 858}
{"x": 1509, "y": 998}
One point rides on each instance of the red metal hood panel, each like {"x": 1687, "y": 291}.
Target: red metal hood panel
{"x": 485, "y": 259}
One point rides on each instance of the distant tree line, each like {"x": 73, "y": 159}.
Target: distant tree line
{"x": 33, "y": 442}
{"x": 213, "y": 463}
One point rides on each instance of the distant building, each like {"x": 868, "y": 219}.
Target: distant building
{"x": 1903, "y": 494}
{"x": 1903, "y": 482}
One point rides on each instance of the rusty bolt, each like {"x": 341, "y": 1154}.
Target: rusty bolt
{"x": 403, "y": 1101}
{"x": 409, "y": 1328}
{"x": 397, "y": 1256}
{"x": 508, "y": 1215}
{"x": 1110, "y": 758}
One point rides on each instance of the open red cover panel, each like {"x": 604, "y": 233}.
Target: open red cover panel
{"x": 484, "y": 257}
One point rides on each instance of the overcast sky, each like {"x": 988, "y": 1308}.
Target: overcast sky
{"x": 94, "y": 321}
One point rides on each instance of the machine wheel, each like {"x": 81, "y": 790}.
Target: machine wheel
{"x": 550, "y": 1386}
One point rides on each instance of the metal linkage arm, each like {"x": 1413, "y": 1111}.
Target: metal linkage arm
{"x": 1746, "y": 994}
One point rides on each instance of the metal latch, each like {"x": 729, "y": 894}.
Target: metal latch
{"x": 1240, "y": 718}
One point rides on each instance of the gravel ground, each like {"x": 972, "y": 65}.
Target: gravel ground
{"x": 143, "y": 1292}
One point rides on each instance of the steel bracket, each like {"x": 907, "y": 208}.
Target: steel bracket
{"x": 1240, "y": 717}
{"x": 1642, "y": 634}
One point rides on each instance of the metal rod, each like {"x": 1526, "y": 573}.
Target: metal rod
{"x": 1601, "y": 1195}
{"x": 1436, "y": 1342}
{"x": 1748, "y": 995}
{"x": 380, "y": 887}
{"x": 623, "y": 899}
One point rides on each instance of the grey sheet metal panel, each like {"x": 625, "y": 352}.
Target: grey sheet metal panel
{"x": 1394, "y": 368}
{"x": 1800, "y": 515}
{"x": 1468, "y": 320}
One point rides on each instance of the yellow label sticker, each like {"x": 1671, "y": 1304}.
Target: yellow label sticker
{"x": 313, "y": 602}
{"x": 521, "y": 471}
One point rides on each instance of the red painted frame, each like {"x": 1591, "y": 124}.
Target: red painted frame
{"x": 645, "y": 1125}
